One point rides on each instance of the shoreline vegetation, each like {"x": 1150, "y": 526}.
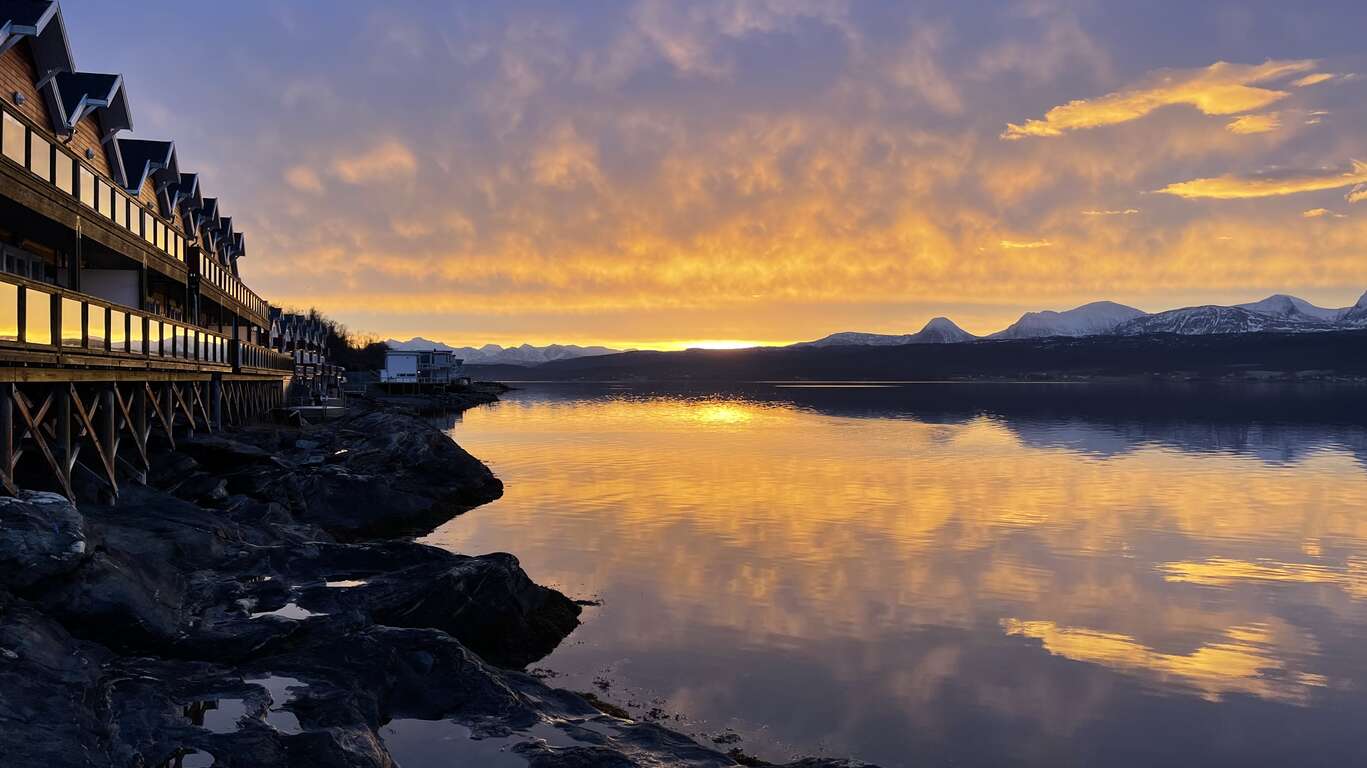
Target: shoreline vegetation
{"x": 261, "y": 602}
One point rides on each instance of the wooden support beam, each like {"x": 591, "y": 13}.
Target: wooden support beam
{"x": 7, "y": 456}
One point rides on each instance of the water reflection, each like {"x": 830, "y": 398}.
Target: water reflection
{"x": 928, "y": 574}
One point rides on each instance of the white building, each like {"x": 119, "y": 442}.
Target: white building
{"x": 421, "y": 367}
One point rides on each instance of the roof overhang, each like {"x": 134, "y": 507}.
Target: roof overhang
{"x": 143, "y": 158}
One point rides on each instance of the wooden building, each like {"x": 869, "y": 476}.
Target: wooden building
{"x": 122, "y": 309}
{"x": 304, "y": 337}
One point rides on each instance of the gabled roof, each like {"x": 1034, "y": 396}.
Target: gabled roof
{"x": 83, "y": 92}
{"x": 24, "y": 18}
{"x": 141, "y": 158}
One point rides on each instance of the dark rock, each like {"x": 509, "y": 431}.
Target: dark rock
{"x": 48, "y": 680}
{"x": 219, "y": 453}
{"x": 43, "y": 537}
{"x": 488, "y": 603}
{"x": 202, "y": 488}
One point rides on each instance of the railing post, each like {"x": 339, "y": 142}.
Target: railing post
{"x": 216, "y": 400}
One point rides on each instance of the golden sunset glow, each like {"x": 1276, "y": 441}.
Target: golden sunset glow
{"x": 1156, "y": 620}
{"x": 657, "y": 175}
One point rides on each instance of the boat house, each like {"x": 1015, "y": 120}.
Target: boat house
{"x": 122, "y": 307}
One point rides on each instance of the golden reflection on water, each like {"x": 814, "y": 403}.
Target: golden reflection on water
{"x": 783, "y": 529}
{"x": 1244, "y": 660}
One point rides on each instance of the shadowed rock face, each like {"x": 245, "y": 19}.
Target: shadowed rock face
{"x": 220, "y": 615}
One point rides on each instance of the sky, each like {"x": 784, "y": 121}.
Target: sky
{"x": 659, "y": 173}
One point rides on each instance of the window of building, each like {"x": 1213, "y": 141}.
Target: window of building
{"x": 12, "y": 139}
{"x": 101, "y": 195}
{"x": 148, "y": 228}
{"x": 107, "y": 198}
{"x": 37, "y": 316}
{"x": 40, "y": 157}
{"x": 87, "y": 186}
{"x": 121, "y": 210}
{"x": 62, "y": 173}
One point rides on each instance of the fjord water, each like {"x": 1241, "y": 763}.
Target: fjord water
{"x": 920, "y": 574}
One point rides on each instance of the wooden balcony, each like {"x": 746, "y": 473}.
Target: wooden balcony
{"x": 50, "y": 333}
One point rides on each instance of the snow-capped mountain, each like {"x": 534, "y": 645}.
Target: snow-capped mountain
{"x": 1292, "y": 308}
{"x": 940, "y": 330}
{"x": 1194, "y": 321}
{"x": 1277, "y": 313}
{"x": 493, "y": 354}
{"x": 1099, "y": 317}
{"x": 1356, "y": 315}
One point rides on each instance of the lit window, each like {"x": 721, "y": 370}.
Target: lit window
{"x": 12, "y": 139}
{"x": 107, "y": 198}
{"x": 121, "y": 210}
{"x": 40, "y": 157}
{"x": 62, "y": 177}
{"x": 87, "y": 186}
{"x": 148, "y": 232}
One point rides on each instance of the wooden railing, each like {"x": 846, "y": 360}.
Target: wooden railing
{"x": 231, "y": 285}
{"x": 247, "y": 355}
{"x": 39, "y": 317}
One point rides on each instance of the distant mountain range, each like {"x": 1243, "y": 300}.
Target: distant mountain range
{"x": 493, "y": 354}
{"x": 1277, "y": 313}
{"x": 940, "y": 330}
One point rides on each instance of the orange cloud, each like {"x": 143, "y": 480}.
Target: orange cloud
{"x": 1233, "y": 187}
{"x": 1245, "y": 124}
{"x": 1313, "y": 79}
{"x": 1220, "y": 89}
{"x": 303, "y": 178}
{"x": 386, "y": 160}
{"x": 1025, "y": 244}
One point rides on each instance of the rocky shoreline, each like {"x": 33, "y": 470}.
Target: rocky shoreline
{"x": 260, "y": 602}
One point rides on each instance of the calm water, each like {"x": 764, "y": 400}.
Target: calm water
{"x": 939, "y": 575}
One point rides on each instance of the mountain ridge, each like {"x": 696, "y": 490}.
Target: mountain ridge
{"x": 494, "y": 354}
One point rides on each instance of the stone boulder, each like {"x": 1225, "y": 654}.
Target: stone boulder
{"x": 43, "y": 538}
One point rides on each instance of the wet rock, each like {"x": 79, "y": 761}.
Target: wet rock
{"x": 488, "y": 602}
{"x": 220, "y": 453}
{"x": 43, "y": 537}
{"x": 47, "y": 682}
